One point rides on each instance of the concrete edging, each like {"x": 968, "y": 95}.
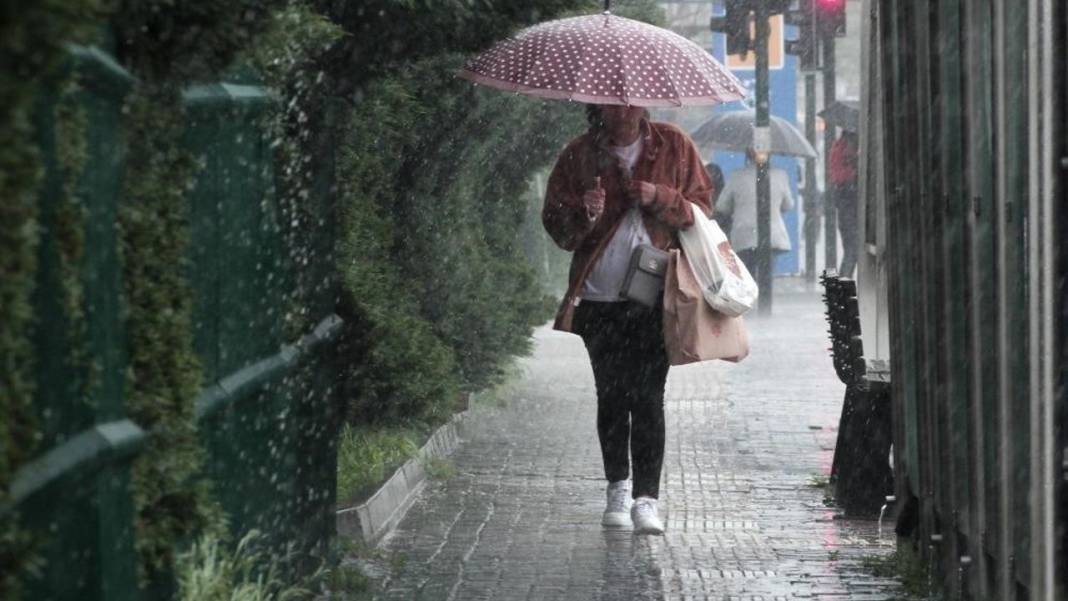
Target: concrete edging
{"x": 376, "y": 517}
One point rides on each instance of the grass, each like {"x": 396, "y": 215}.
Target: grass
{"x": 906, "y": 566}
{"x": 438, "y": 468}
{"x": 819, "y": 481}
{"x": 367, "y": 457}
{"x": 362, "y": 553}
{"x": 344, "y": 582}
{"x": 211, "y": 571}
{"x": 825, "y": 482}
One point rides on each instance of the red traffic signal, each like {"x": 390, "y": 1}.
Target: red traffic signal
{"x": 832, "y": 16}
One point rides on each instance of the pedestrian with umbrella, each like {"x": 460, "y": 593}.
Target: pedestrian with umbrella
{"x": 842, "y": 176}
{"x": 844, "y": 114}
{"x": 733, "y": 131}
{"x": 738, "y": 201}
{"x": 626, "y": 181}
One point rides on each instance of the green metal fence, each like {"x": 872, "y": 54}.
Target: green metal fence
{"x": 963, "y": 175}
{"x": 267, "y": 416}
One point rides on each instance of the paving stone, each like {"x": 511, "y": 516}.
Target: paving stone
{"x": 520, "y": 519}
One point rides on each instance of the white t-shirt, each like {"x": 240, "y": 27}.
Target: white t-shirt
{"x": 606, "y": 278}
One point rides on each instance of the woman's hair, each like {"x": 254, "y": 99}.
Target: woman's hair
{"x": 594, "y": 116}
{"x": 596, "y": 119}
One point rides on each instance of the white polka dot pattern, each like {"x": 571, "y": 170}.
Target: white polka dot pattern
{"x": 605, "y": 59}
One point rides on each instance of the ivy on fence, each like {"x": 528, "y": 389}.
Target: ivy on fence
{"x": 171, "y": 498}
{"x": 32, "y": 55}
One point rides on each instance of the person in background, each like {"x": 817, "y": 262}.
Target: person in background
{"x": 715, "y": 174}
{"x": 627, "y": 181}
{"x": 738, "y": 201}
{"x": 843, "y": 177}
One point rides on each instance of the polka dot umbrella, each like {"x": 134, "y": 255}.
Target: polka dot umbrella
{"x": 605, "y": 59}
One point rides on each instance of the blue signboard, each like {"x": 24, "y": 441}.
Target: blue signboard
{"x": 783, "y": 96}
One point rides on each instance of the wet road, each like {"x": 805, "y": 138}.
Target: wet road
{"x": 520, "y": 518}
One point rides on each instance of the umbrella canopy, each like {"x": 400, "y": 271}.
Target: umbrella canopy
{"x": 605, "y": 59}
{"x": 844, "y": 114}
{"x": 734, "y": 131}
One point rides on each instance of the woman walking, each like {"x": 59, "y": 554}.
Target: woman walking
{"x": 627, "y": 181}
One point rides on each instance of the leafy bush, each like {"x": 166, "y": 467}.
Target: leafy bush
{"x": 168, "y": 41}
{"x": 433, "y": 176}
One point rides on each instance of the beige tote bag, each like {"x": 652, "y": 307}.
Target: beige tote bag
{"x": 693, "y": 331}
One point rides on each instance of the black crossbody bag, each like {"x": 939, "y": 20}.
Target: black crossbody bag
{"x": 644, "y": 282}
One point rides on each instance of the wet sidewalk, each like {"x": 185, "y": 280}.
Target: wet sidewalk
{"x": 520, "y": 518}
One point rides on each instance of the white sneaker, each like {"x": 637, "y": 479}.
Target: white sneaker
{"x": 644, "y": 516}
{"x": 615, "y": 509}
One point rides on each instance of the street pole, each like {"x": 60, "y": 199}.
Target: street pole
{"x": 761, "y": 142}
{"x": 830, "y": 211}
{"x": 812, "y": 192}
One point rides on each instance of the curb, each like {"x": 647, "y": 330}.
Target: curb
{"x": 372, "y": 520}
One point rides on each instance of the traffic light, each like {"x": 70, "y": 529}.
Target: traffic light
{"x": 832, "y": 16}
{"x": 735, "y": 23}
{"x": 802, "y": 15}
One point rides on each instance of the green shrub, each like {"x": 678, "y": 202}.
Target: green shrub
{"x": 168, "y": 41}
{"x": 432, "y": 183}
{"x": 434, "y": 178}
{"x": 285, "y": 56}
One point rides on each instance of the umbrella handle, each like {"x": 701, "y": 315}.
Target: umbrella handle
{"x": 597, "y": 181}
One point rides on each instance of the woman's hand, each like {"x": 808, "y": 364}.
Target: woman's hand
{"x": 593, "y": 200}
{"x": 642, "y": 193}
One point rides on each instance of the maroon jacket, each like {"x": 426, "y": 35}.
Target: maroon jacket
{"x": 669, "y": 160}
{"x": 843, "y": 162}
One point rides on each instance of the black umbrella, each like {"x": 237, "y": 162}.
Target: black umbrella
{"x": 734, "y": 131}
{"x": 844, "y": 114}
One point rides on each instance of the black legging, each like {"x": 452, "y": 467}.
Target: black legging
{"x": 626, "y": 347}
{"x": 845, "y": 200}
